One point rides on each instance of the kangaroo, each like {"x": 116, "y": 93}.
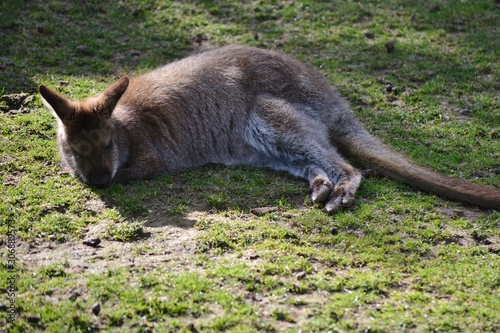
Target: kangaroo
{"x": 235, "y": 105}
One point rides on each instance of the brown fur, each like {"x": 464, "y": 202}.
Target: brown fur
{"x": 234, "y": 105}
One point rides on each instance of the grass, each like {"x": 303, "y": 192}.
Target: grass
{"x": 183, "y": 253}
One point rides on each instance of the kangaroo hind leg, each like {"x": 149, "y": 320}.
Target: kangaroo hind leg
{"x": 290, "y": 141}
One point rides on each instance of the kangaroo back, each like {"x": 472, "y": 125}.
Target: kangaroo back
{"x": 369, "y": 152}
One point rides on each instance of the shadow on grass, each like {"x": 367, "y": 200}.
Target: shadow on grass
{"x": 63, "y": 38}
{"x": 182, "y": 199}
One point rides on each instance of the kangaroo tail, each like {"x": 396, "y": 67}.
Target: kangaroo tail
{"x": 355, "y": 142}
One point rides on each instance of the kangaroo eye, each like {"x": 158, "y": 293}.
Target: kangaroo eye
{"x": 108, "y": 147}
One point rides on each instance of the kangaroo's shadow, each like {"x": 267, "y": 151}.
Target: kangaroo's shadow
{"x": 180, "y": 200}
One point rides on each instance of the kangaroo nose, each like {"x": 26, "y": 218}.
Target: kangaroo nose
{"x": 100, "y": 180}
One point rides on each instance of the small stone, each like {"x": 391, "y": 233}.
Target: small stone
{"x": 73, "y": 295}
{"x": 191, "y": 328}
{"x": 389, "y": 46}
{"x": 388, "y": 87}
{"x": 163, "y": 298}
{"x": 81, "y": 49}
{"x": 435, "y": 8}
{"x": 493, "y": 249}
{"x": 134, "y": 53}
{"x": 334, "y": 231}
{"x": 486, "y": 242}
{"x": 28, "y": 99}
{"x": 17, "y": 101}
{"x": 94, "y": 241}
{"x": 96, "y": 308}
{"x": 370, "y": 34}
{"x": 263, "y": 210}
{"x": 250, "y": 255}
{"x": 6, "y": 62}
{"x": 11, "y": 181}
{"x": 33, "y": 318}
{"x": 300, "y": 275}
{"x": 200, "y": 38}
{"x": 429, "y": 73}
{"x": 138, "y": 12}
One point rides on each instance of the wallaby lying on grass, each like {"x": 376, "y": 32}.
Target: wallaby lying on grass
{"x": 235, "y": 105}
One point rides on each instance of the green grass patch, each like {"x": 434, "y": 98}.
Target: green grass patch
{"x": 184, "y": 253}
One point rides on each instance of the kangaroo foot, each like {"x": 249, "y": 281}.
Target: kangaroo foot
{"x": 343, "y": 194}
{"x": 321, "y": 190}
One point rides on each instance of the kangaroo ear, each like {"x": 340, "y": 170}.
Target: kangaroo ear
{"x": 111, "y": 96}
{"x": 60, "y": 105}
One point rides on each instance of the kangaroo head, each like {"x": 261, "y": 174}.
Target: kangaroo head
{"x": 86, "y": 133}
